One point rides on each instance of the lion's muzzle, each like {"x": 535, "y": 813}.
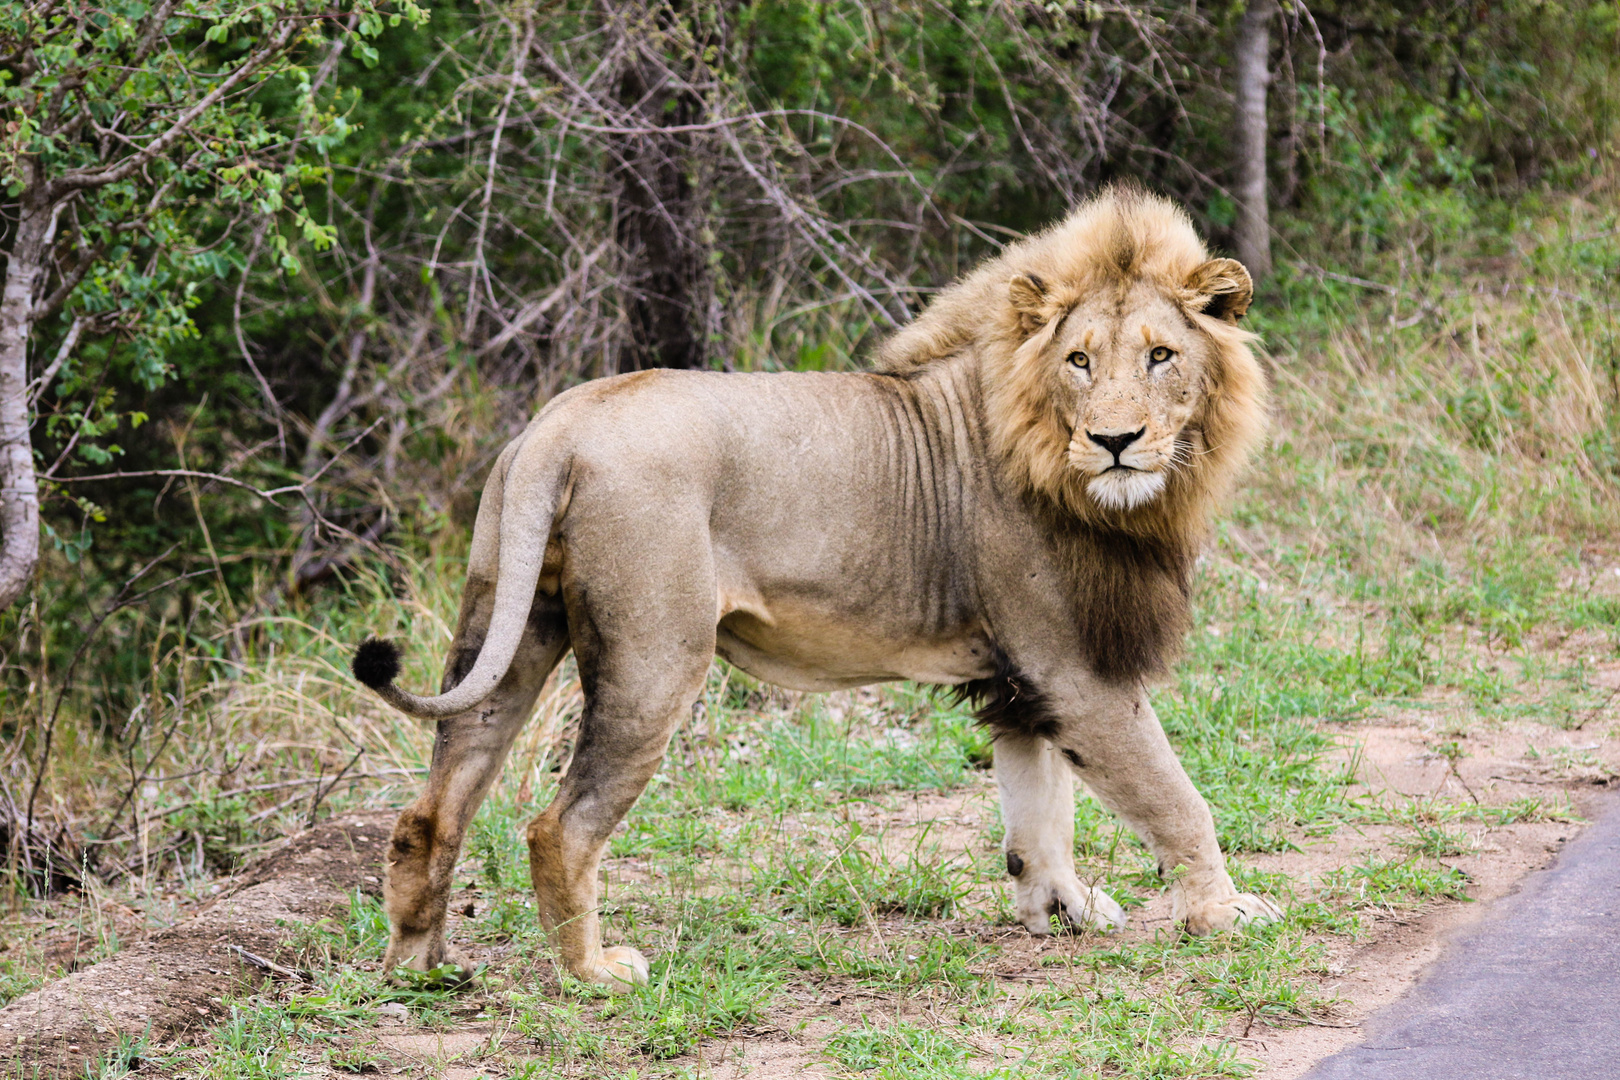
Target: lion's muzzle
{"x": 1116, "y": 444}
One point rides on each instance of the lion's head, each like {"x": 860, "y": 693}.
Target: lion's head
{"x": 1116, "y": 381}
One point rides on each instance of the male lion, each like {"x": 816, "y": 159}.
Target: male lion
{"x": 1011, "y": 505}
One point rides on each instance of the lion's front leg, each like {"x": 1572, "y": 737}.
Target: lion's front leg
{"x": 1122, "y": 754}
{"x": 1037, "y": 806}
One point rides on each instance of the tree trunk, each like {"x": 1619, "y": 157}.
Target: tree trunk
{"x": 666, "y": 275}
{"x": 19, "y": 487}
{"x": 1253, "y": 227}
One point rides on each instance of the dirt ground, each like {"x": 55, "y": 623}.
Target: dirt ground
{"x": 1376, "y": 971}
{"x": 174, "y": 982}
{"x": 1509, "y": 762}
{"x": 192, "y": 964}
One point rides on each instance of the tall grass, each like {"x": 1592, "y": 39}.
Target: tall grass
{"x": 1446, "y": 441}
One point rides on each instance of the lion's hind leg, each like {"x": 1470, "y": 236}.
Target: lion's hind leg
{"x": 468, "y": 752}
{"x": 619, "y": 751}
{"x": 644, "y": 643}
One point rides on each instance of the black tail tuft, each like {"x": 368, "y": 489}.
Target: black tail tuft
{"x": 376, "y": 662}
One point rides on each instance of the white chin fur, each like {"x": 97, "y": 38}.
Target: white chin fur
{"x": 1121, "y": 489}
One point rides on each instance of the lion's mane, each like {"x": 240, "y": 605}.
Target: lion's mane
{"x": 1129, "y": 568}
{"x": 1122, "y": 236}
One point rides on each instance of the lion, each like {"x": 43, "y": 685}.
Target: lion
{"x": 1010, "y": 505}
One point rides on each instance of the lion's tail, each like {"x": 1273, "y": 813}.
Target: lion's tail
{"x": 532, "y": 494}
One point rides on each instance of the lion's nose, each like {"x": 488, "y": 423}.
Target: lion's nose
{"x": 1116, "y": 444}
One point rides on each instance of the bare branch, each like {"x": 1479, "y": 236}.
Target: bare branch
{"x": 63, "y": 351}
{"x": 241, "y": 341}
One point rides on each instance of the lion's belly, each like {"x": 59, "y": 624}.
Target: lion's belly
{"x": 824, "y": 655}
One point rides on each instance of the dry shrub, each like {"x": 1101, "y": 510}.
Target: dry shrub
{"x": 1472, "y": 411}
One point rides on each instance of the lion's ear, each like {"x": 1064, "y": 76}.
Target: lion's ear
{"x": 1028, "y": 295}
{"x": 1221, "y": 288}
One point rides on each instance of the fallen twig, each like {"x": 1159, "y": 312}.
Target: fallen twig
{"x": 323, "y": 792}
{"x": 1273, "y": 1020}
{"x": 270, "y": 965}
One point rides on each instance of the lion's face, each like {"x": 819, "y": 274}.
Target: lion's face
{"x": 1129, "y": 369}
{"x": 1133, "y": 374}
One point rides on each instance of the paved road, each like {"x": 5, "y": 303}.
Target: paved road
{"x": 1531, "y": 992}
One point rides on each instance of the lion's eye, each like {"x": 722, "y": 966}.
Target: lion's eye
{"x": 1079, "y": 359}
{"x": 1161, "y": 355}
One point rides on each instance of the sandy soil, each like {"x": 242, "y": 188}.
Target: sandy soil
{"x": 1401, "y": 759}
{"x": 174, "y": 980}
{"x": 1394, "y": 760}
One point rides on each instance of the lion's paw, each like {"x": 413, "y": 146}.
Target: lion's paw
{"x": 426, "y": 957}
{"x": 622, "y": 968}
{"x": 1070, "y": 903}
{"x": 1244, "y": 909}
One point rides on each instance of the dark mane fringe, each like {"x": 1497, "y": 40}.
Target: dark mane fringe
{"x": 1007, "y": 702}
{"x": 1132, "y": 599}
